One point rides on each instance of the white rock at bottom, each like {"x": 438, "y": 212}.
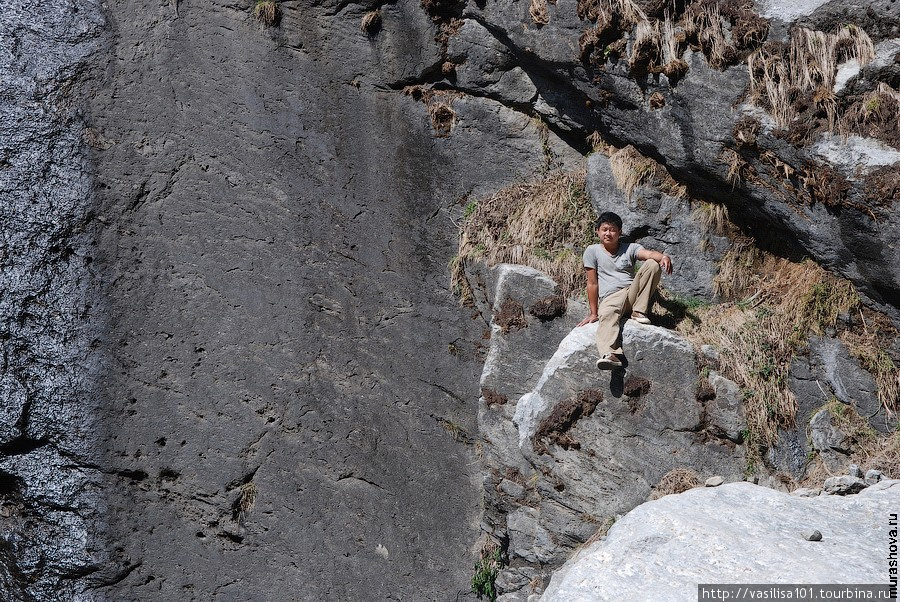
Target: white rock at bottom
{"x": 736, "y": 533}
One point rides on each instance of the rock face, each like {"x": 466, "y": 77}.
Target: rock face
{"x": 228, "y": 342}
{"x": 51, "y": 511}
{"x": 584, "y": 445}
{"x": 737, "y": 533}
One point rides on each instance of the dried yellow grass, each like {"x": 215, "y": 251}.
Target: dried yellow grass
{"x": 880, "y": 105}
{"x": 782, "y": 304}
{"x": 712, "y": 217}
{"x": 539, "y": 12}
{"x": 266, "y": 12}
{"x": 370, "y": 21}
{"x": 677, "y": 480}
{"x": 808, "y": 65}
{"x": 544, "y": 224}
{"x": 631, "y": 169}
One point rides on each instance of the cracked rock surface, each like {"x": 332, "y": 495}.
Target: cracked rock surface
{"x": 577, "y": 470}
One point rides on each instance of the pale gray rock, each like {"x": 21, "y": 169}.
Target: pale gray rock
{"x": 830, "y": 442}
{"x": 648, "y": 423}
{"x": 825, "y": 436}
{"x": 663, "y": 549}
{"x": 714, "y": 481}
{"x": 725, "y": 412}
{"x": 513, "y": 579}
{"x": 710, "y": 353}
{"x": 873, "y": 476}
{"x": 512, "y": 489}
{"x": 806, "y": 492}
{"x": 527, "y": 538}
{"x": 843, "y": 485}
{"x": 854, "y": 471}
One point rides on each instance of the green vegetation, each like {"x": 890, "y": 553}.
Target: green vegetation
{"x": 486, "y": 570}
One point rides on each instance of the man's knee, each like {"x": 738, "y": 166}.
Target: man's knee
{"x": 650, "y": 265}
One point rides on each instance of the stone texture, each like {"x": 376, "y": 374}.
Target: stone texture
{"x": 51, "y": 312}
{"x": 714, "y": 481}
{"x": 730, "y": 534}
{"x": 873, "y": 476}
{"x": 273, "y": 235}
{"x": 648, "y": 422}
{"x": 233, "y": 279}
{"x": 843, "y": 485}
{"x": 725, "y": 411}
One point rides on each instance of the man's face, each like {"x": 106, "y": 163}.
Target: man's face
{"x": 609, "y": 234}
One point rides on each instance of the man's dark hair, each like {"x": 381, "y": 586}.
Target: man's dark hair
{"x": 608, "y": 217}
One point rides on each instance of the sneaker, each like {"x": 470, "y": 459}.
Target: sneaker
{"x": 608, "y": 362}
{"x": 639, "y": 317}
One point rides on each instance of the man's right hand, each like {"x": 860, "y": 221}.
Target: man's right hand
{"x": 588, "y": 320}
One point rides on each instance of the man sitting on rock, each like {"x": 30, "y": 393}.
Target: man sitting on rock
{"x": 613, "y": 289}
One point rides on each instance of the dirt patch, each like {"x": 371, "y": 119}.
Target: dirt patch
{"x": 882, "y": 186}
{"x": 554, "y": 429}
{"x": 492, "y": 397}
{"x": 705, "y": 391}
{"x": 511, "y": 316}
{"x": 636, "y": 387}
{"x": 549, "y": 308}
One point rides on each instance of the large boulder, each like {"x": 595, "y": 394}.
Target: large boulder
{"x": 568, "y": 447}
{"x": 737, "y": 533}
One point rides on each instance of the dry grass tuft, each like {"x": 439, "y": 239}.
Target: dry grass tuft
{"x": 780, "y": 74}
{"x": 440, "y": 107}
{"x": 677, "y": 480}
{"x": 737, "y": 269}
{"x": 545, "y": 224}
{"x": 371, "y": 22}
{"x": 712, "y": 217}
{"x": 598, "y": 144}
{"x": 632, "y": 169}
{"x": 876, "y": 114}
{"x": 736, "y": 166}
{"x": 783, "y": 303}
{"x": 539, "y": 12}
{"x": 245, "y": 501}
{"x": 266, "y": 12}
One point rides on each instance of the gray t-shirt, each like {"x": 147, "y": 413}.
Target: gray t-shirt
{"x": 614, "y": 272}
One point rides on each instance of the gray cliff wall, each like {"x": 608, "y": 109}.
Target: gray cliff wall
{"x": 232, "y": 367}
{"x": 284, "y": 418}
{"x": 51, "y": 511}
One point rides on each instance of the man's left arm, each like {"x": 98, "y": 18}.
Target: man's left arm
{"x": 664, "y": 261}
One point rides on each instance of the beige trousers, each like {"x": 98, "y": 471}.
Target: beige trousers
{"x": 634, "y": 298}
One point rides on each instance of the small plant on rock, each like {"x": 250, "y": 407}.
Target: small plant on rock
{"x": 266, "y": 12}
{"x": 486, "y": 570}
